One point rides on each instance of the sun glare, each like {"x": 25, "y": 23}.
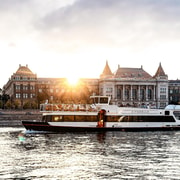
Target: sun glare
{"x": 73, "y": 80}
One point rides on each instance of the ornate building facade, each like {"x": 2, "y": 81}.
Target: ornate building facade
{"x": 126, "y": 86}
{"x": 27, "y": 91}
{"x": 135, "y": 87}
{"x": 21, "y": 87}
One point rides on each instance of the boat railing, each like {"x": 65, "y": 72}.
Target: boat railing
{"x": 66, "y": 107}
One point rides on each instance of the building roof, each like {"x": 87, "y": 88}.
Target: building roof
{"x": 107, "y": 71}
{"x": 137, "y": 73}
{"x": 177, "y": 81}
{"x": 23, "y": 70}
{"x": 160, "y": 71}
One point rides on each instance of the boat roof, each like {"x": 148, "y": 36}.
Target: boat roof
{"x": 172, "y": 107}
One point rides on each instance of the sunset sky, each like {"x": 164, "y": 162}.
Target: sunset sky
{"x": 62, "y": 38}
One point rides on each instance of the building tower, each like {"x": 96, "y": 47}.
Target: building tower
{"x": 21, "y": 87}
{"x": 161, "y": 87}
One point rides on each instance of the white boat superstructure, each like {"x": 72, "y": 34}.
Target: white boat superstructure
{"x": 101, "y": 116}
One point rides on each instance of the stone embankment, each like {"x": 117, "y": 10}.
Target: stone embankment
{"x": 14, "y": 118}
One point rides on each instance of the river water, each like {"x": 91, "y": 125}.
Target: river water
{"x": 114, "y": 155}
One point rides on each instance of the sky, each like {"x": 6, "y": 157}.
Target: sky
{"x": 75, "y": 38}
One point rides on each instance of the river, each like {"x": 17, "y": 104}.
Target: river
{"x": 113, "y": 155}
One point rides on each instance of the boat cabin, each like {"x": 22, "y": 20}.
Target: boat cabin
{"x": 100, "y": 100}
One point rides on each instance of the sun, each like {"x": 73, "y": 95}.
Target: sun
{"x": 73, "y": 80}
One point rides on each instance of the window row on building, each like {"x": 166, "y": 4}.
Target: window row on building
{"x": 127, "y": 87}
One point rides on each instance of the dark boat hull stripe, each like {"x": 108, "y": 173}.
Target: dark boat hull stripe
{"x": 44, "y": 126}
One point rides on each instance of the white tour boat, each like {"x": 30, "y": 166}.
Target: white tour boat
{"x": 101, "y": 116}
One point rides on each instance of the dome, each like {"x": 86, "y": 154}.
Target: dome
{"x": 24, "y": 70}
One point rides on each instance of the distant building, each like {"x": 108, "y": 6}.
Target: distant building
{"x": 135, "y": 87}
{"x": 174, "y": 91}
{"x": 21, "y": 87}
{"x": 58, "y": 89}
{"x": 50, "y": 88}
{"x": 126, "y": 86}
{"x": 26, "y": 90}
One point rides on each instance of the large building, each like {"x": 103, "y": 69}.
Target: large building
{"x": 21, "y": 87}
{"x": 135, "y": 87}
{"x": 126, "y": 86}
{"x": 27, "y": 91}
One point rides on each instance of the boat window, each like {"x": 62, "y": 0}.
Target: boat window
{"x": 57, "y": 118}
{"x": 147, "y": 119}
{"x": 69, "y": 118}
{"x": 44, "y": 118}
{"x": 47, "y": 118}
{"x": 86, "y": 118}
{"x": 177, "y": 114}
{"x": 103, "y": 100}
{"x": 96, "y": 100}
{"x": 151, "y": 119}
{"x": 166, "y": 113}
{"x": 113, "y": 118}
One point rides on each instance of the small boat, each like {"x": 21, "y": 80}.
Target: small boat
{"x": 100, "y": 116}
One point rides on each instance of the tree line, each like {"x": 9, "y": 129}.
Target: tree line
{"x": 71, "y": 94}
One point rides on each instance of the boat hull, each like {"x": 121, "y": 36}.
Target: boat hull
{"x": 44, "y": 126}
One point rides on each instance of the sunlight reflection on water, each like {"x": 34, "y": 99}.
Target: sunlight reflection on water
{"x": 114, "y": 155}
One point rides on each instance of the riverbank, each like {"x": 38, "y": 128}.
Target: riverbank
{"x": 14, "y": 118}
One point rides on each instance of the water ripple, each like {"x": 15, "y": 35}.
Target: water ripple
{"x": 114, "y": 155}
